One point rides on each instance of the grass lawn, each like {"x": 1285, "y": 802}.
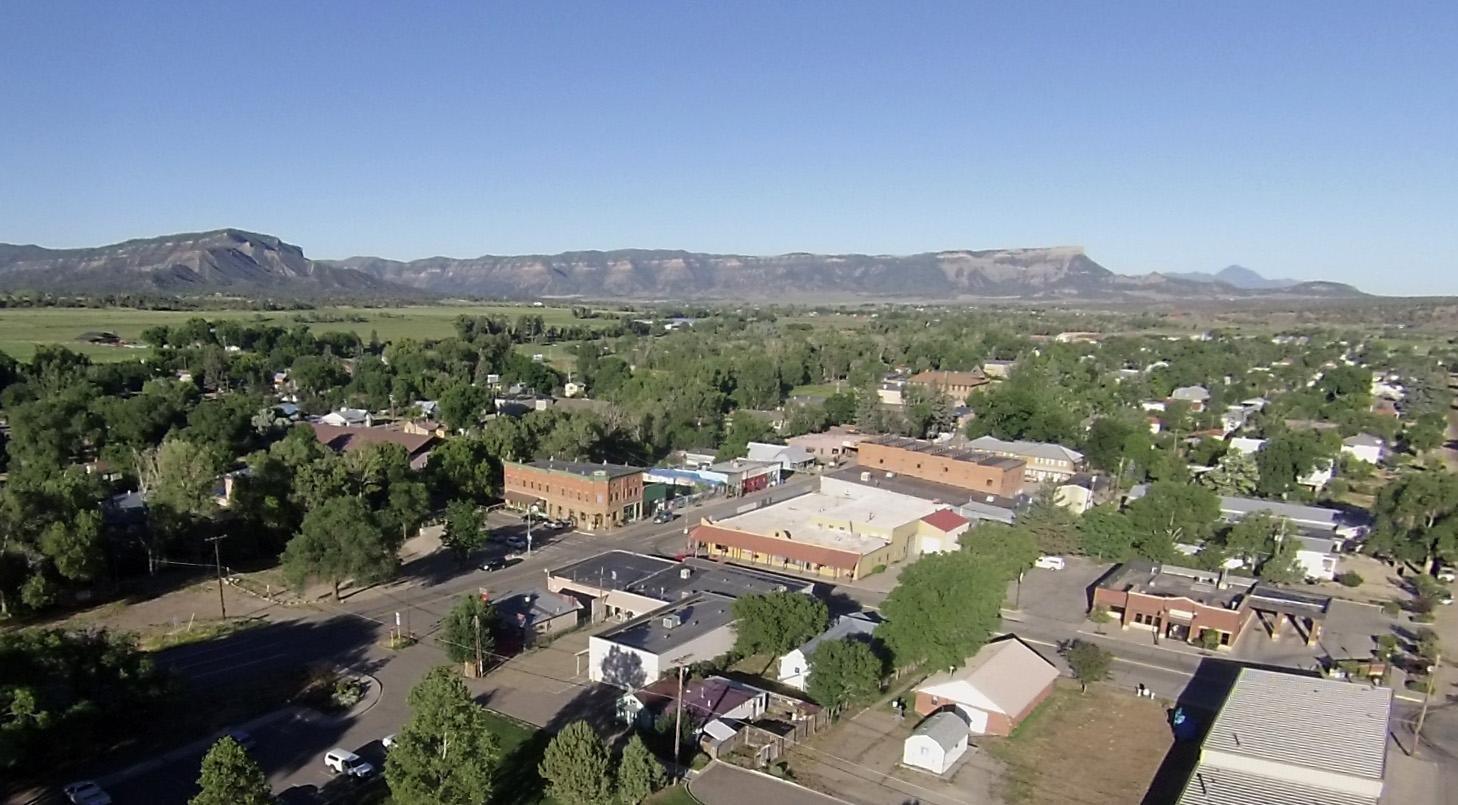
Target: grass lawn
{"x": 676, "y": 795}
{"x": 818, "y": 389}
{"x": 21, "y": 329}
{"x": 1100, "y": 747}
{"x": 517, "y": 781}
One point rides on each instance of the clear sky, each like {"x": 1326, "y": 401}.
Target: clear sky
{"x": 1312, "y": 140}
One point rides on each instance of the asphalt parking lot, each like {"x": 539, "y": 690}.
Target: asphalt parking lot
{"x": 1061, "y": 595}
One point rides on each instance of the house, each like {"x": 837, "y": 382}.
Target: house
{"x": 1196, "y": 396}
{"x": 1043, "y": 461}
{"x": 741, "y": 476}
{"x": 956, "y": 385}
{"x": 936, "y": 744}
{"x": 642, "y": 650}
{"x": 841, "y": 531}
{"x": 348, "y": 418}
{"x": 1317, "y": 554}
{"x": 348, "y": 439}
{"x": 1245, "y": 445}
{"x": 1152, "y": 406}
{"x": 997, "y": 688}
{"x": 704, "y": 700}
{"x": 1079, "y": 493}
{"x": 573, "y": 389}
{"x": 1233, "y": 419}
{"x": 998, "y": 370}
{"x": 1365, "y": 447}
{"x": 831, "y": 447}
{"x": 537, "y": 614}
{"x": 789, "y": 457}
{"x": 425, "y": 427}
{"x": 591, "y": 496}
{"x": 972, "y": 470}
{"x": 521, "y": 403}
{"x": 428, "y": 409}
{"x": 1288, "y": 738}
{"x": 795, "y": 666}
{"x": 941, "y": 531}
{"x": 892, "y": 389}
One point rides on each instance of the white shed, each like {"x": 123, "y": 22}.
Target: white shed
{"x": 937, "y": 743}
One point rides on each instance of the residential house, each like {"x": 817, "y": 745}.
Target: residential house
{"x": 348, "y": 418}
{"x": 789, "y": 457}
{"x": 830, "y": 448}
{"x": 795, "y": 666}
{"x": 703, "y": 701}
{"x": 892, "y": 389}
{"x": 998, "y": 687}
{"x": 971, "y": 470}
{"x": 1043, "y": 461}
{"x": 348, "y": 439}
{"x": 956, "y": 385}
{"x": 537, "y": 614}
{"x": 1233, "y": 419}
{"x": 1365, "y": 447}
{"x": 936, "y": 744}
{"x": 998, "y": 370}
{"x": 425, "y": 427}
{"x": 1080, "y": 492}
{"x": 521, "y": 403}
{"x": 1196, "y": 396}
{"x": 591, "y": 496}
{"x": 1245, "y": 445}
{"x": 1289, "y": 738}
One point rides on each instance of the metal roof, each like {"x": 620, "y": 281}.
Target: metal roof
{"x": 1210, "y": 785}
{"x": 946, "y": 728}
{"x": 1020, "y": 448}
{"x": 1321, "y": 724}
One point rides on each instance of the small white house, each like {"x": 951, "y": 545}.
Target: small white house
{"x": 795, "y": 666}
{"x": 1245, "y": 445}
{"x": 1317, "y": 556}
{"x": 1365, "y": 447}
{"x": 936, "y": 744}
{"x": 348, "y": 418}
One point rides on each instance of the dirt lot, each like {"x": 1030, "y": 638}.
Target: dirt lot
{"x": 1101, "y": 747}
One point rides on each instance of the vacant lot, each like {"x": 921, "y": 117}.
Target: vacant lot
{"x": 1093, "y": 748}
{"x": 21, "y": 329}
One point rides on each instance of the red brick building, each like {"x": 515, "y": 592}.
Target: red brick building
{"x": 591, "y": 496}
{"x": 998, "y": 687}
{"x": 971, "y": 470}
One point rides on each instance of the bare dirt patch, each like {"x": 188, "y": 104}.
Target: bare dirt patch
{"x": 1100, "y": 747}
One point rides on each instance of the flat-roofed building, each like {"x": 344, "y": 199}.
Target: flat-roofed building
{"x": 622, "y": 584}
{"x": 1286, "y": 738}
{"x": 973, "y": 470}
{"x": 591, "y": 496}
{"x": 1045, "y": 461}
{"x": 843, "y": 531}
{"x": 639, "y": 651}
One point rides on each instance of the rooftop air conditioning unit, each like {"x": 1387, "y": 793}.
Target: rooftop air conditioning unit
{"x": 672, "y": 620}
{"x": 685, "y": 572}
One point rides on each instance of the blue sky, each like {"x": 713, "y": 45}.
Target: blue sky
{"x": 1313, "y": 140}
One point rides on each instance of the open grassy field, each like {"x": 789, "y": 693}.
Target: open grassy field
{"x": 1098, "y": 747}
{"x": 21, "y": 329}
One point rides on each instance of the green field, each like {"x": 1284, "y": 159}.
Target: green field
{"x": 21, "y": 329}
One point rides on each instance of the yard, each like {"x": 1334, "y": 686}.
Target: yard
{"x": 517, "y": 781}
{"x": 1093, "y": 748}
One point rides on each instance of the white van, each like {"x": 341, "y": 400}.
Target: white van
{"x": 343, "y": 761}
{"x": 1050, "y": 563}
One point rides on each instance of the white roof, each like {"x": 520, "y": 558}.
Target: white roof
{"x": 718, "y": 730}
{"x": 1190, "y": 393}
{"x": 1056, "y": 452}
{"x": 1304, "y": 721}
{"x": 784, "y": 453}
{"x": 946, "y": 728}
{"x": 835, "y": 521}
{"x": 1004, "y": 677}
{"x": 1246, "y": 445}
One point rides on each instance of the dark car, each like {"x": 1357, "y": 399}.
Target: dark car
{"x": 664, "y": 516}
{"x": 500, "y": 562}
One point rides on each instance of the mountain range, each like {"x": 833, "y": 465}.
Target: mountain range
{"x": 238, "y": 263}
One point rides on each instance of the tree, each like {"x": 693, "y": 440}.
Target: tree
{"x": 446, "y": 753}
{"x": 468, "y": 622}
{"x": 1425, "y": 433}
{"x": 1007, "y": 549}
{"x": 1104, "y": 446}
{"x": 1170, "y": 513}
{"x": 1089, "y": 662}
{"x": 1104, "y": 532}
{"x": 575, "y": 767}
{"x": 465, "y": 528}
{"x": 1416, "y": 518}
{"x": 1252, "y": 537}
{"x": 179, "y": 475}
{"x": 464, "y": 467}
{"x": 744, "y": 428}
{"x": 462, "y": 404}
{"x": 774, "y": 623}
{"x": 1053, "y": 527}
{"x": 337, "y": 541}
{"x": 1235, "y": 473}
{"x": 927, "y": 411}
{"x": 1287, "y": 457}
{"x": 844, "y": 672}
{"x": 639, "y": 772}
{"x": 231, "y": 777}
{"x": 1281, "y": 566}
{"x": 840, "y": 408}
{"x": 944, "y": 608}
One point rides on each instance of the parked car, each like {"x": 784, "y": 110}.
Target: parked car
{"x": 1051, "y": 563}
{"x": 343, "y": 761}
{"x": 1447, "y": 573}
{"x": 388, "y": 741}
{"x": 85, "y": 792}
{"x": 500, "y": 563}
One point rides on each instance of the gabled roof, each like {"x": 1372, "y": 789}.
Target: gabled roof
{"x": 785, "y": 453}
{"x": 945, "y": 520}
{"x": 1046, "y": 450}
{"x": 343, "y": 439}
{"x": 1004, "y": 677}
{"x": 852, "y": 625}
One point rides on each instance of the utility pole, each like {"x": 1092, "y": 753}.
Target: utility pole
{"x": 218, "y": 565}
{"x": 678, "y": 725}
{"x": 1417, "y": 734}
{"x": 476, "y": 627}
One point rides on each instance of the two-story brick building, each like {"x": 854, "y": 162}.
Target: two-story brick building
{"x": 957, "y": 385}
{"x": 972, "y": 470}
{"x": 591, "y": 496}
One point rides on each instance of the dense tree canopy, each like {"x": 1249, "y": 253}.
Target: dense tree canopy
{"x": 447, "y": 753}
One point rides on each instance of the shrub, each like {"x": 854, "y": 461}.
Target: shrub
{"x": 1349, "y": 578}
{"x": 1209, "y": 639}
{"x": 1391, "y": 609}
{"x": 1387, "y": 645}
{"x": 347, "y": 693}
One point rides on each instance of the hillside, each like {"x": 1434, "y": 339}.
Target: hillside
{"x": 225, "y": 261}
{"x": 234, "y": 262}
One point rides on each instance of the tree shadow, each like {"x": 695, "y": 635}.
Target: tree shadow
{"x": 517, "y": 778}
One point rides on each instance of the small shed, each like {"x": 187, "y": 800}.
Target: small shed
{"x": 937, "y": 743}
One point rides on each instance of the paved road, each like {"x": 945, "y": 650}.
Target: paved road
{"x": 722, "y": 784}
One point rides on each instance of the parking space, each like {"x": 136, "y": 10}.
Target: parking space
{"x": 1060, "y": 595}
{"x": 548, "y": 685}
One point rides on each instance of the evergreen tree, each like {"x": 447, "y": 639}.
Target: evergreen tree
{"x": 575, "y": 767}
{"x": 447, "y": 753}
{"x": 231, "y": 777}
{"x": 639, "y": 772}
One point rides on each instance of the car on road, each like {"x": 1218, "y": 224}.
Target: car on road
{"x": 1051, "y": 563}
{"x": 343, "y": 761}
{"x": 495, "y": 563}
{"x": 242, "y": 737}
{"x": 85, "y": 792}
{"x": 516, "y": 541}
{"x": 664, "y": 516}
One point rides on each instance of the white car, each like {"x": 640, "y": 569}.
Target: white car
{"x": 86, "y": 792}
{"x": 388, "y": 741}
{"x": 1447, "y": 574}
{"x": 343, "y": 761}
{"x": 1051, "y": 563}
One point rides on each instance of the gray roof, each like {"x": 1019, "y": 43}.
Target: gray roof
{"x": 699, "y": 615}
{"x": 664, "y": 579}
{"x": 852, "y": 625}
{"x": 1190, "y": 393}
{"x": 1210, "y": 785}
{"x": 946, "y": 728}
{"x": 1363, "y": 440}
{"x": 1303, "y": 721}
{"x": 779, "y": 453}
{"x": 586, "y": 469}
{"x": 1309, "y": 515}
{"x": 613, "y": 570}
{"x": 1046, "y": 450}
{"x": 531, "y": 606}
